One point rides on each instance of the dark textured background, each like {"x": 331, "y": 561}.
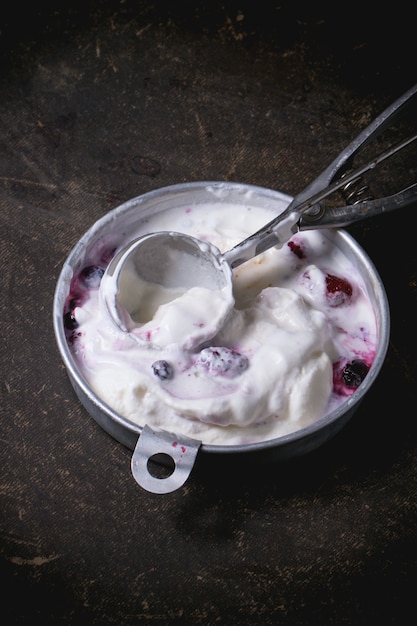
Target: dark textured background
{"x": 103, "y": 101}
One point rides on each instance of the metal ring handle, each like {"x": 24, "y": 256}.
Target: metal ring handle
{"x": 181, "y": 450}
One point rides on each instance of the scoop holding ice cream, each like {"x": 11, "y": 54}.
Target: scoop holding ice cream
{"x": 140, "y": 283}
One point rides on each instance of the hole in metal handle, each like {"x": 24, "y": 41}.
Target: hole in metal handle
{"x": 177, "y": 454}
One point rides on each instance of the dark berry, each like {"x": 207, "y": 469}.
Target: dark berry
{"x": 339, "y": 290}
{"x": 70, "y": 322}
{"x": 163, "y": 370}
{"x": 354, "y": 373}
{"x": 91, "y": 276}
{"x": 221, "y": 361}
{"x": 296, "y": 249}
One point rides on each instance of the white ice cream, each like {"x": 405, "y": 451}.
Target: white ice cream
{"x": 266, "y": 371}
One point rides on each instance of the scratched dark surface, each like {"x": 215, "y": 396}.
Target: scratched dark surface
{"x": 101, "y": 102}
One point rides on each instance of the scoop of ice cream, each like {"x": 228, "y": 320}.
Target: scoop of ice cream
{"x": 162, "y": 315}
{"x": 189, "y": 320}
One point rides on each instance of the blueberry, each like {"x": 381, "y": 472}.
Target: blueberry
{"x": 163, "y": 370}
{"x": 221, "y": 361}
{"x": 354, "y": 373}
{"x": 91, "y": 276}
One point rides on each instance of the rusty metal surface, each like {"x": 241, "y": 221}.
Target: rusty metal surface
{"x": 100, "y": 102}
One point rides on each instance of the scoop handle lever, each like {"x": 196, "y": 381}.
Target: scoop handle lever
{"x": 339, "y": 217}
{"x": 296, "y": 216}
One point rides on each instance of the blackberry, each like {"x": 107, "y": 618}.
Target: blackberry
{"x": 70, "y": 323}
{"x": 221, "y": 361}
{"x": 354, "y": 373}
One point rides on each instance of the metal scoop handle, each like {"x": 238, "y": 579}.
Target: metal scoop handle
{"x": 305, "y": 212}
{"x": 332, "y": 217}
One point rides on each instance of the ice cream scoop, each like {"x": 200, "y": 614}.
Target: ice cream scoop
{"x": 140, "y": 279}
{"x": 168, "y": 264}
